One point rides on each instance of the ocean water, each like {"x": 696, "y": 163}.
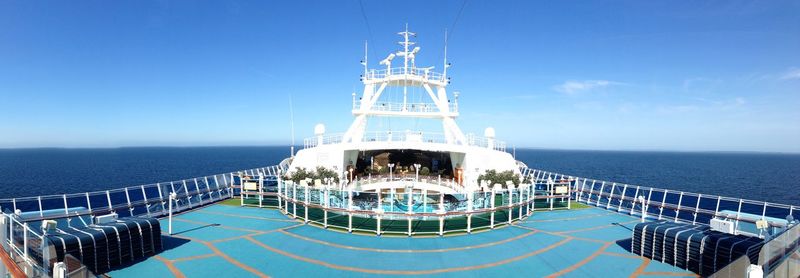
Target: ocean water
{"x": 31, "y": 172}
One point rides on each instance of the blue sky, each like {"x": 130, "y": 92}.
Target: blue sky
{"x": 610, "y": 75}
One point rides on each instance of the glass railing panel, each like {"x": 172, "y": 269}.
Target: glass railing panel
{"x": 339, "y": 199}
{"x": 459, "y": 203}
{"x": 687, "y": 204}
{"x": 365, "y": 201}
{"x": 653, "y": 204}
{"x": 779, "y": 251}
{"x": 53, "y": 206}
{"x": 315, "y": 196}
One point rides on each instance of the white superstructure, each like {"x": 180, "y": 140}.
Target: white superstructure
{"x": 467, "y": 155}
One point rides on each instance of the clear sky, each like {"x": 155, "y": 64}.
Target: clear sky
{"x": 611, "y": 75}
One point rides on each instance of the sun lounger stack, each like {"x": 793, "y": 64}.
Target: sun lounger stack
{"x": 692, "y": 247}
{"x": 102, "y": 247}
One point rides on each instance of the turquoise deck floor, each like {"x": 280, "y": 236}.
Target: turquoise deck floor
{"x": 232, "y": 241}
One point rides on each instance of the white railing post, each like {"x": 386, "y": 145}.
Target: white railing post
{"x": 349, "y": 209}
{"x": 88, "y": 202}
{"x": 678, "y": 210}
{"x": 24, "y": 240}
{"x": 197, "y": 188}
{"x": 622, "y": 197}
{"x": 306, "y": 202}
{"x": 260, "y": 191}
{"x": 326, "y": 203}
{"x": 172, "y": 197}
{"x": 600, "y": 194}
{"x": 208, "y": 189}
{"x": 108, "y": 198}
{"x": 128, "y": 199}
{"x": 39, "y": 199}
{"x": 294, "y": 200}
{"x": 491, "y": 201}
{"x": 146, "y": 201}
{"x": 66, "y": 207}
{"x": 10, "y": 234}
{"x": 633, "y": 203}
{"x": 569, "y": 196}
{"x": 696, "y": 208}
{"x": 738, "y": 214}
{"x": 186, "y": 191}
{"x": 649, "y": 194}
{"x": 661, "y": 206}
{"x": 219, "y": 190}
{"x": 280, "y": 192}
{"x": 611, "y": 195}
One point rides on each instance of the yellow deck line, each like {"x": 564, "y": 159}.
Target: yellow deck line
{"x": 664, "y": 273}
{"x": 407, "y": 272}
{"x": 174, "y": 270}
{"x": 581, "y": 262}
{"x": 245, "y": 216}
{"x": 217, "y": 225}
{"x": 622, "y": 255}
{"x": 197, "y": 257}
{"x": 253, "y": 234}
{"x": 226, "y": 257}
{"x": 563, "y": 235}
{"x": 640, "y": 269}
{"x": 596, "y": 227}
{"x": 408, "y": 250}
{"x": 570, "y": 218}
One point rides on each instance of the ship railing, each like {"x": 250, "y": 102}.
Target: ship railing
{"x": 405, "y": 136}
{"x": 779, "y": 257}
{"x": 425, "y": 73}
{"x": 425, "y": 212}
{"x": 408, "y": 178}
{"x": 21, "y": 219}
{"x": 22, "y": 250}
{"x": 418, "y": 107}
{"x": 485, "y": 142}
{"x": 679, "y": 206}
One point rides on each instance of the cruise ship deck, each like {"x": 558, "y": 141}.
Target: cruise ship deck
{"x": 232, "y": 241}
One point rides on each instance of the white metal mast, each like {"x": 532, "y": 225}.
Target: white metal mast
{"x": 376, "y": 81}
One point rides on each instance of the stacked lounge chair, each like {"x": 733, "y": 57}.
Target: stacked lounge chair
{"x": 692, "y": 247}
{"x": 103, "y": 247}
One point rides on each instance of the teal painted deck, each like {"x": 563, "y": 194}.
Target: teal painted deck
{"x": 232, "y": 241}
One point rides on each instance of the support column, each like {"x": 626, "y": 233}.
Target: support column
{"x": 294, "y": 200}
{"x": 349, "y": 210}
{"x": 260, "y": 191}
{"x": 280, "y": 183}
{"x": 378, "y": 232}
{"x": 326, "y": 205}
{"x": 491, "y": 217}
{"x": 306, "y": 202}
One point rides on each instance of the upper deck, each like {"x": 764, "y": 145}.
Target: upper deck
{"x": 410, "y": 76}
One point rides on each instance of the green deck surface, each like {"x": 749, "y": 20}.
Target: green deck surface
{"x": 226, "y": 240}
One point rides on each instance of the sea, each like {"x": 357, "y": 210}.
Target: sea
{"x": 758, "y": 176}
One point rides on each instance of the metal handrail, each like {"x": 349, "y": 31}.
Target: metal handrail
{"x": 340, "y": 199}
{"x": 418, "y": 107}
{"x": 132, "y": 200}
{"x": 401, "y": 136}
{"x": 412, "y": 71}
{"x": 623, "y": 196}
